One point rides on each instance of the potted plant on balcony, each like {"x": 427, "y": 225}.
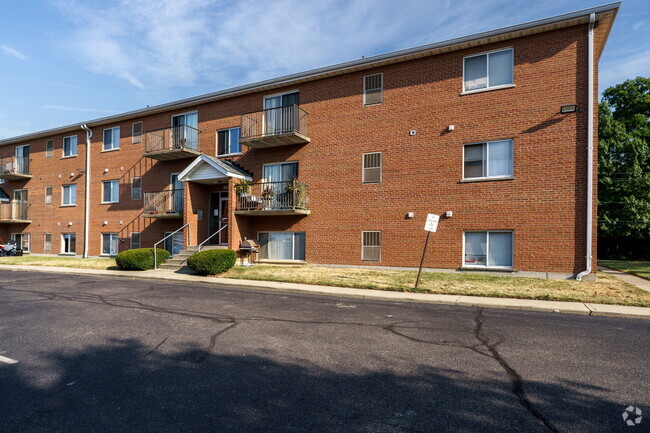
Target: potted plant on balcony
{"x": 297, "y": 192}
{"x": 243, "y": 188}
{"x": 267, "y": 196}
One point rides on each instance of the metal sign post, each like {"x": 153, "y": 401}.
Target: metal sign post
{"x": 430, "y": 226}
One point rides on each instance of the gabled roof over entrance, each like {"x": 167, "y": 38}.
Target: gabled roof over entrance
{"x": 208, "y": 169}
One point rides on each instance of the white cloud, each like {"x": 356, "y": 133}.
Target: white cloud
{"x": 91, "y": 110}
{"x": 619, "y": 69}
{"x": 11, "y": 52}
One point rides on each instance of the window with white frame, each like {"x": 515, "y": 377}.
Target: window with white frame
{"x": 371, "y": 167}
{"x": 135, "y": 240}
{"x": 492, "y": 249}
{"x": 69, "y": 195}
{"x": 228, "y": 141}
{"x": 490, "y": 159}
{"x": 282, "y": 245}
{"x": 111, "y": 191}
{"x": 47, "y": 242}
{"x": 68, "y": 243}
{"x": 70, "y": 146}
{"x": 112, "y": 138}
{"x": 22, "y": 240}
{"x": 136, "y": 188}
{"x": 109, "y": 244}
{"x": 488, "y": 70}
{"x": 49, "y": 148}
{"x": 373, "y": 89}
{"x": 48, "y": 195}
{"x": 136, "y": 133}
{"x": 371, "y": 246}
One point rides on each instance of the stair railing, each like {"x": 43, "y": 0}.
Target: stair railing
{"x": 155, "y": 246}
{"x": 210, "y": 237}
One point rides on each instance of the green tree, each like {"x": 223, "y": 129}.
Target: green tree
{"x": 624, "y": 170}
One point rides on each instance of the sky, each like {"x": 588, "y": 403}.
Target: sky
{"x": 69, "y": 61}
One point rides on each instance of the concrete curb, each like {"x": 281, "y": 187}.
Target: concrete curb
{"x": 475, "y": 301}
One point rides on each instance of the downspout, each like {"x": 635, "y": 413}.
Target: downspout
{"x": 590, "y": 144}
{"x": 89, "y": 135}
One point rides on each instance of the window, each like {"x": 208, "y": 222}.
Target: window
{"x": 112, "y": 138}
{"x": 136, "y": 188}
{"x": 111, "y": 191}
{"x": 47, "y": 242}
{"x": 371, "y": 246}
{"x": 48, "y": 195}
{"x": 109, "y": 244}
{"x": 373, "y": 89}
{"x": 488, "y": 249}
{"x": 487, "y": 70}
{"x": 136, "y": 133}
{"x": 69, "y": 195}
{"x": 185, "y": 131}
{"x": 22, "y": 159}
{"x": 489, "y": 159}
{"x": 22, "y": 240}
{"x": 371, "y": 168}
{"x": 282, "y": 245}
{"x": 135, "y": 240}
{"x": 228, "y": 141}
{"x": 68, "y": 243}
{"x": 70, "y": 146}
{"x": 49, "y": 148}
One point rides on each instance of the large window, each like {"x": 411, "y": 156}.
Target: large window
{"x": 69, "y": 196}
{"x": 22, "y": 240}
{"x": 488, "y": 249}
{"x": 111, "y": 191}
{"x": 371, "y": 167}
{"x": 373, "y": 89}
{"x": 70, "y": 146}
{"x": 488, "y": 159}
{"x": 371, "y": 246}
{"x": 228, "y": 141}
{"x": 68, "y": 243}
{"x": 109, "y": 244}
{"x": 112, "y": 138}
{"x": 488, "y": 70}
{"x": 282, "y": 245}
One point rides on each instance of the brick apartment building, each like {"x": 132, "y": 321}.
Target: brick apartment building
{"x": 495, "y": 132}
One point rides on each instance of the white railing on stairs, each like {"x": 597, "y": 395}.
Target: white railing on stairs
{"x": 155, "y": 246}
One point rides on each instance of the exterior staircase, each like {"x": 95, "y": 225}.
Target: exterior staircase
{"x": 178, "y": 262}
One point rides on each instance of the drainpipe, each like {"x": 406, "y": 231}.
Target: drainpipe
{"x": 590, "y": 143}
{"x": 89, "y": 135}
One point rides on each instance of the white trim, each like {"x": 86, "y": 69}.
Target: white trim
{"x": 216, "y": 142}
{"x": 488, "y": 89}
{"x": 63, "y": 194}
{"x": 119, "y": 138}
{"x": 487, "y": 70}
{"x": 486, "y": 159}
{"x": 76, "y": 145}
{"x": 487, "y": 250}
{"x": 381, "y": 88}
{"x": 63, "y": 243}
{"x": 203, "y": 158}
{"x": 117, "y": 243}
{"x": 104, "y": 201}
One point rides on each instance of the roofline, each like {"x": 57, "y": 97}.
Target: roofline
{"x": 546, "y": 24}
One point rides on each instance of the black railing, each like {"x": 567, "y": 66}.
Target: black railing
{"x": 286, "y": 195}
{"x": 163, "y": 202}
{"x": 274, "y": 121}
{"x": 173, "y": 138}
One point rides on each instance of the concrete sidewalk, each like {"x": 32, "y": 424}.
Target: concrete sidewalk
{"x": 641, "y": 283}
{"x": 509, "y": 303}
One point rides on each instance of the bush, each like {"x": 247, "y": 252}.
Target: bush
{"x": 140, "y": 259}
{"x": 212, "y": 262}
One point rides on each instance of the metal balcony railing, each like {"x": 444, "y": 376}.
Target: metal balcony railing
{"x": 163, "y": 203}
{"x": 14, "y": 165}
{"x": 14, "y": 211}
{"x": 171, "y": 139}
{"x": 290, "y": 120}
{"x": 268, "y": 196}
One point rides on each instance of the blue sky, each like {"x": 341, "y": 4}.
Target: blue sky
{"x": 66, "y": 61}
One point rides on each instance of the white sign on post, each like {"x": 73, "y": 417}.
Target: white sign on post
{"x": 432, "y": 222}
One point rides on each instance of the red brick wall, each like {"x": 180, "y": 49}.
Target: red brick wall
{"x": 544, "y": 204}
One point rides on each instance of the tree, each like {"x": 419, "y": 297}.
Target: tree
{"x": 624, "y": 170}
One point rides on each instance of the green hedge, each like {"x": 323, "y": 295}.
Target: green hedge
{"x": 140, "y": 259}
{"x": 212, "y": 262}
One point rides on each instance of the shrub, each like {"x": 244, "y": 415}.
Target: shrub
{"x": 212, "y": 262}
{"x": 140, "y": 259}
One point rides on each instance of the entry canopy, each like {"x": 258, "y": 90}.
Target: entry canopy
{"x": 209, "y": 170}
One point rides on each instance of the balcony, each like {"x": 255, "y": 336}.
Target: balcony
{"x": 177, "y": 142}
{"x": 14, "y": 212}
{"x": 163, "y": 204}
{"x": 274, "y": 127}
{"x": 274, "y": 198}
{"x": 14, "y": 168}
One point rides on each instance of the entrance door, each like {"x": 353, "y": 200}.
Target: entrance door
{"x": 20, "y": 204}
{"x": 176, "y": 201}
{"x": 22, "y": 159}
{"x": 218, "y": 218}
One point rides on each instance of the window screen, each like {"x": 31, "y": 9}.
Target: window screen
{"x": 371, "y": 246}
{"x": 372, "y": 167}
{"x": 373, "y": 89}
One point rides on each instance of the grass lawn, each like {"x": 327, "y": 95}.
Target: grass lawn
{"x": 66, "y": 262}
{"x": 638, "y": 268}
{"x": 605, "y": 290}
